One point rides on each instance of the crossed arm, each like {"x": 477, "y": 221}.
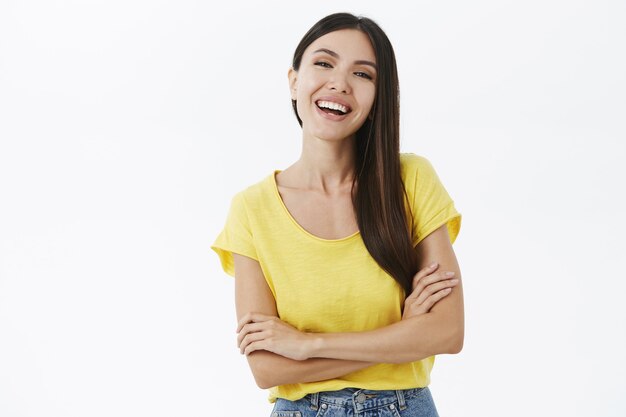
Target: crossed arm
{"x": 252, "y": 295}
{"x": 280, "y": 354}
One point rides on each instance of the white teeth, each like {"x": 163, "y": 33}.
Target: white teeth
{"x": 333, "y": 106}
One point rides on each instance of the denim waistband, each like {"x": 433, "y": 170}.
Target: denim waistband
{"x": 362, "y": 399}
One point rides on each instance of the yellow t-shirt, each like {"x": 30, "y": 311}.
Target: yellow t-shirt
{"x": 323, "y": 285}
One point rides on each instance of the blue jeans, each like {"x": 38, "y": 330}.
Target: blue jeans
{"x": 355, "y": 402}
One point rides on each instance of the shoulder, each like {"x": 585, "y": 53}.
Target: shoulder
{"x": 410, "y": 159}
{"x": 256, "y": 194}
{"x": 420, "y": 178}
{"x": 413, "y": 166}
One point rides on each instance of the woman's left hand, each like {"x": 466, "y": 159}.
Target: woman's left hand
{"x": 262, "y": 332}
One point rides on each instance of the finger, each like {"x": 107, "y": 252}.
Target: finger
{"x": 245, "y": 319}
{"x": 412, "y": 297}
{"x": 424, "y": 272}
{"x": 250, "y": 318}
{"x": 432, "y": 278}
{"x": 425, "y": 306}
{"x": 437, "y": 286}
{"x": 251, "y": 338}
{"x": 249, "y": 328}
{"x": 259, "y": 345}
{"x": 439, "y": 276}
{"x": 414, "y": 309}
{"x": 433, "y": 299}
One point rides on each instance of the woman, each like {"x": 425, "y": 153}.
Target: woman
{"x": 346, "y": 283}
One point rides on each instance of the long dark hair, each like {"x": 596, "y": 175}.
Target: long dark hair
{"x": 379, "y": 200}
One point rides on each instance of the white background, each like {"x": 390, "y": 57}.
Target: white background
{"x": 127, "y": 126}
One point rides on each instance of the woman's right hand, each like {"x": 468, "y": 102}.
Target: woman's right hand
{"x": 429, "y": 286}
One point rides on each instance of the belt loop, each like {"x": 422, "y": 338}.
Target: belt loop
{"x": 401, "y": 401}
{"x": 315, "y": 401}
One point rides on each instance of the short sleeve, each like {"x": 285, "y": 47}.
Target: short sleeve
{"x": 431, "y": 205}
{"x": 236, "y": 236}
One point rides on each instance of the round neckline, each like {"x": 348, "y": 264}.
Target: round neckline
{"x": 298, "y": 226}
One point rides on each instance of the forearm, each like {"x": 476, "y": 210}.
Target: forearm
{"x": 408, "y": 340}
{"x": 270, "y": 369}
{"x": 439, "y": 331}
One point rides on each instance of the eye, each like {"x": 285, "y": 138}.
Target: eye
{"x": 323, "y": 64}
{"x": 363, "y": 75}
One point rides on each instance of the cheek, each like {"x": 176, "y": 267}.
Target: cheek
{"x": 367, "y": 98}
{"x": 308, "y": 84}
{"x": 301, "y": 109}
{"x": 306, "y": 88}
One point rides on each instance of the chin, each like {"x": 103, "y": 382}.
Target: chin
{"x": 332, "y": 135}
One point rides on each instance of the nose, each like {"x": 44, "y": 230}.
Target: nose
{"x": 339, "y": 83}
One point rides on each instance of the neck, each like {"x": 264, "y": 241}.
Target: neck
{"x": 325, "y": 164}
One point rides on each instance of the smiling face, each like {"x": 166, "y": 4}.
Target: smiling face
{"x": 335, "y": 85}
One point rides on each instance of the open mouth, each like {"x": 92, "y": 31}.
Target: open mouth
{"x": 333, "y": 108}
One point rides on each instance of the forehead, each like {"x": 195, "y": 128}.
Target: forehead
{"x": 350, "y": 44}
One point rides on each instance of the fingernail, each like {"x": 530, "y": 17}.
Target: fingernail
{"x": 434, "y": 264}
{"x": 450, "y": 274}
{"x": 454, "y": 281}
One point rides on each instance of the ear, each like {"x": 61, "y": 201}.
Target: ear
{"x": 292, "y": 74}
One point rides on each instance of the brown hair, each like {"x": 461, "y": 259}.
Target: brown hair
{"x": 380, "y": 195}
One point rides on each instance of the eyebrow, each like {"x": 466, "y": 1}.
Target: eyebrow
{"x": 336, "y": 55}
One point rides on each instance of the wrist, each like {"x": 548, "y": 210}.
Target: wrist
{"x": 314, "y": 345}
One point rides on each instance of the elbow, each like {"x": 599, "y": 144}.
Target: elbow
{"x": 456, "y": 348}
{"x": 262, "y": 383}
{"x": 455, "y": 342}
{"x": 263, "y": 377}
